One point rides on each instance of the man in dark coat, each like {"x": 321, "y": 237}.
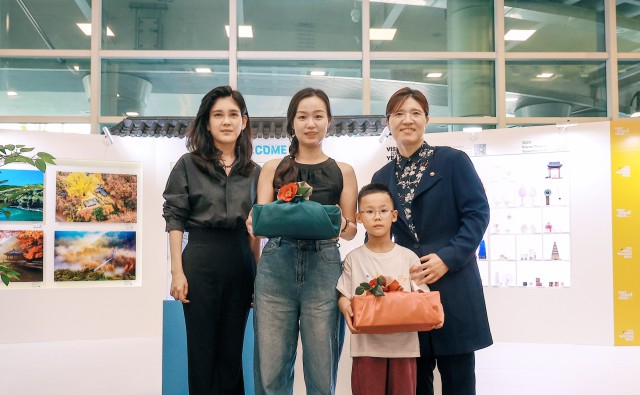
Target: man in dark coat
{"x": 443, "y": 214}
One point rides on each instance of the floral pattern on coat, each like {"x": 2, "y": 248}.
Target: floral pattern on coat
{"x": 409, "y": 172}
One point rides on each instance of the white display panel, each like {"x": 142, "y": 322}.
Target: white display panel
{"x": 528, "y": 239}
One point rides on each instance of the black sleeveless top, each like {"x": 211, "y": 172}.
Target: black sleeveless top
{"x": 324, "y": 177}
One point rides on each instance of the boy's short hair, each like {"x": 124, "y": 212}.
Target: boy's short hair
{"x": 374, "y": 187}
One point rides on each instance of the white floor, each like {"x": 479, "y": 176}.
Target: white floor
{"x": 134, "y": 367}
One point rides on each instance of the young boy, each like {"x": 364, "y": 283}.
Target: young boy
{"x": 382, "y": 364}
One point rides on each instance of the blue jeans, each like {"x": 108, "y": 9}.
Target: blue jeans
{"x": 296, "y": 291}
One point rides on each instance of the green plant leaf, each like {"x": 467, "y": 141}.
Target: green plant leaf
{"x": 41, "y": 165}
{"x": 10, "y": 147}
{"x": 359, "y": 291}
{"x": 8, "y": 271}
{"x": 25, "y": 149}
{"x": 2, "y": 182}
{"x": 21, "y": 159}
{"x": 30, "y": 161}
{"x": 46, "y": 157}
{"x": 19, "y": 146}
{"x": 3, "y": 151}
{"x": 9, "y": 160}
{"x": 365, "y": 286}
{"x": 6, "y": 213}
{"x": 377, "y": 291}
{"x": 379, "y": 280}
{"x": 5, "y": 279}
{"x": 3, "y": 205}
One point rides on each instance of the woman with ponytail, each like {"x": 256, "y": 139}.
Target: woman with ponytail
{"x": 296, "y": 279}
{"x": 209, "y": 194}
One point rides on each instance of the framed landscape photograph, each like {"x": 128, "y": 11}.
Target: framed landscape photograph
{"x": 94, "y": 256}
{"x": 21, "y": 251}
{"x": 96, "y": 197}
{"x": 22, "y": 193}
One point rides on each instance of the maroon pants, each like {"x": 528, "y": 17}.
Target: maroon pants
{"x": 380, "y": 376}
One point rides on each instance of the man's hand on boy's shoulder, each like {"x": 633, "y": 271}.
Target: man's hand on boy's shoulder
{"x": 430, "y": 271}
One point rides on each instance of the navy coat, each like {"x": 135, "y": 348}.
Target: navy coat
{"x": 450, "y": 212}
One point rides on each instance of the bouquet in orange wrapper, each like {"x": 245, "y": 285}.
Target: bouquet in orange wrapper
{"x": 379, "y": 308}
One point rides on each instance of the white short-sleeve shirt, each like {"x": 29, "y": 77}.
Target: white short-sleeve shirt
{"x": 363, "y": 265}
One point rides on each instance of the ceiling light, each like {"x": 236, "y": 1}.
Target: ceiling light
{"x": 544, "y": 75}
{"x": 381, "y": 34}
{"x": 86, "y": 29}
{"x": 518, "y": 35}
{"x": 243, "y": 31}
{"x": 76, "y": 68}
{"x": 434, "y": 75}
{"x": 132, "y": 114}
{"x": 318, "y": 73}
{"x": 117, "y": 95}
{"x": 203, "y": 70}
{"x": 511, "y": 99}
{"x": 12, "y": 93}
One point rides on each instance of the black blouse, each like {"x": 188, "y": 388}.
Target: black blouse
{"x": 195, "y": 200}
{"x": 324, "y": 177}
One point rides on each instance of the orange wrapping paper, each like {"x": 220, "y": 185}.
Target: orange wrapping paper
{"x": 397, "y": 312}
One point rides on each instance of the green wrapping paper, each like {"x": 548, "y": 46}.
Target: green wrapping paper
{"x": 302, "y": 219}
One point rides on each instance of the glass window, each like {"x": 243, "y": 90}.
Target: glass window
{"x": 268, "y": 85}
{"x": 165, "y": 25}
{"x": 80, "y": 128}
{"x": 442, "y": 128}
{"x": 556, "y": 89}
{"x": 43, "y": 87}
{"x": 299, "y": 25}
{"x": 629, "y": 88}
{"x": 37, "y": 24}
{"x": 554, "y": 26}
{"x": 453, "y": 88}
{"x": 159, "y": 86}
{"x": 432, "y": 25}
{"x": 628, "y": 26}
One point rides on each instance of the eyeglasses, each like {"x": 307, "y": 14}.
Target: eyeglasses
{"x": 402, "y": 115}
{"x": 371, "y": 214}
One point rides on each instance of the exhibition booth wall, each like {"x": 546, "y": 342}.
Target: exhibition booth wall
{"x": 571, "y": 301}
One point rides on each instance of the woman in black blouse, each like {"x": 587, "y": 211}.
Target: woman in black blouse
{"x": 296, "y": 279}
{"x": 209, "y": 194}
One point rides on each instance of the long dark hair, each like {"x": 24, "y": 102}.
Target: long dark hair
{"x": 289, "y": 171}
{"x": 200, "y": 140}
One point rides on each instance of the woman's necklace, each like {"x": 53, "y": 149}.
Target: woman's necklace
{"x": 224, "y": 165}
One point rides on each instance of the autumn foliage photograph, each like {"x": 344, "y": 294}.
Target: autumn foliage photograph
{"x": 94, "y": 256}
{"x": 96, "y": 197}
{"x": 21, "y": 251}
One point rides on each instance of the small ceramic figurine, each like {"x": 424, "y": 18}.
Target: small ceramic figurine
{"x": 554, "y": 253}
{"x": 482, "y": 251}
{"x": 532, "y": 195}
{"x": 522, "y": 192}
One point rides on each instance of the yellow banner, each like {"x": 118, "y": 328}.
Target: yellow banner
{"x": 625, "y": 185}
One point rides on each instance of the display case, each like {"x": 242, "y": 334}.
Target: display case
{"x": 528, "y": 240}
